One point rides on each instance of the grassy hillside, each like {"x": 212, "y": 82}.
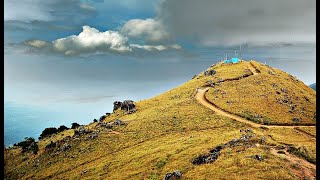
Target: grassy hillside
{"x": 270, "y": 97}
{"x": 170, "y": 130}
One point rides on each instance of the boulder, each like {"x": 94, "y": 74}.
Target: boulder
{"x": 210, "y": 72}
{"x": 118, "y": 122}
{"x": 296, "y": 120}
{"x": 258, "y": 157}
{"x": 116, "y": 105}
{"x": 284, "y": 90}
{"x": 128, "y": 105}
{"x": 172, "y": 176}
{"x": 65, "y": 147}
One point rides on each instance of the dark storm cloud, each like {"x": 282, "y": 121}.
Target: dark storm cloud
{"x": 231, "y": 22}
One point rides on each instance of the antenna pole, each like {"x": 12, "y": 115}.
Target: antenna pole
{"x": 240, "y": 52}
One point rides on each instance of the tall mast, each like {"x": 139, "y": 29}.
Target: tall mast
{"x": 240, "y": 52}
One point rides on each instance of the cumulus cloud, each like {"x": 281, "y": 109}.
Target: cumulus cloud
{"x": 92, "y": 41}
{"x": 36, "y": 43}
{"x": 150, "y": 30}
{"x": 216, "y": 22}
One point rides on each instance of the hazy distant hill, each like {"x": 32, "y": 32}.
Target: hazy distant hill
{"x": 313, "y": 86}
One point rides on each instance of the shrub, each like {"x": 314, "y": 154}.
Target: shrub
{"x": 34, "y": 148}
{"x": 51, "y": 145}
{"x": 26, "y": 143}
{"x": 48, "y": 131}
{"x": 62, "y": 128}
{"x": 95, "y": 120}
{"x": 74, "y": 125}
{"x": 102, "y": 118}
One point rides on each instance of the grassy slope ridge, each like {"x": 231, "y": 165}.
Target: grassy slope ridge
{"x": 261, "y": 98}
{"x": 164, "y": 135}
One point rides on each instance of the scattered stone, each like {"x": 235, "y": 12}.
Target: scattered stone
{"x": 118, "y": 122}
{"x": 258, "y": 157}
{"x": 83, "y": 172}
{"x": 105, "y": 125}
{"x": 278, "y": 92}
{"x": 210, "y": 83}
{"x": 210, "y": 72}
{"x": 65, "y": 147}
{"x": 271, "y": 72}
{"x": 306, "y": 98}
{"x": 275, "y": 85}
{"x": 284, "y": 90}
{"x": 82, "y": 130}
{"x": 296, "y": 120}
{"x": 93, "y": 136}
{"x": 173, "y": 176}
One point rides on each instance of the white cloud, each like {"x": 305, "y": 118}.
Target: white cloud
{"x": 156, "y": 47}
{"x": 149, "y": 30}
{"x": 92, "y": 41}
{"x": 216, "y": 22}
{"x": 36, "y": 43}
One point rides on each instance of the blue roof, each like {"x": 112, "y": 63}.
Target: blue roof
{"x": 232, "y": 60}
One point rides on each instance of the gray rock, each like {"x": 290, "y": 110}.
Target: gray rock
{"x": 116, "y": 105}
{"x": 65, "y": 147}
{"x": 118, "y": 122}
{"x": 210, "y": 72}
{"x": 172, "y": 176}
{"x": 296, "y": 120}
{"x": 258, "y": 157}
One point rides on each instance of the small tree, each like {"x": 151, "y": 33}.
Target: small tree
{"x": 48, "y": 131}
{"x": 74, "y": 125}
{"x": 25, "y": 144}
{"x": 34, "y": 148}
{"x": 62, "y": 128}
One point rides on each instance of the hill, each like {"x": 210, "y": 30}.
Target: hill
{"x": 313, "y": 86}
{"x": 230, "y": 121}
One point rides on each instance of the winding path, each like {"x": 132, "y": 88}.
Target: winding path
{"x": 201, "y": 98}
{"x": 308, "y": 169}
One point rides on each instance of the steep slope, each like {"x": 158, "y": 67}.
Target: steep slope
{"x": 168, "y": 132}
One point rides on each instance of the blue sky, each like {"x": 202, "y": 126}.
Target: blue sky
{"x": 63, "y": 42}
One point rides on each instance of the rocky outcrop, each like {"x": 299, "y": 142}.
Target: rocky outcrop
{"x": 127, "y": 105}
{"x": 210, "y": 72}
{"x": 244, "y": 140}
{"x": 172, "y": 176}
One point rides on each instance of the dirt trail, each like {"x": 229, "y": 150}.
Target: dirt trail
{"x": 307, "y": 169}
{"x": 201, "y": 98}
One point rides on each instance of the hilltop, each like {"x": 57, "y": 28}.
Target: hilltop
{"x": 238, "y": 121}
